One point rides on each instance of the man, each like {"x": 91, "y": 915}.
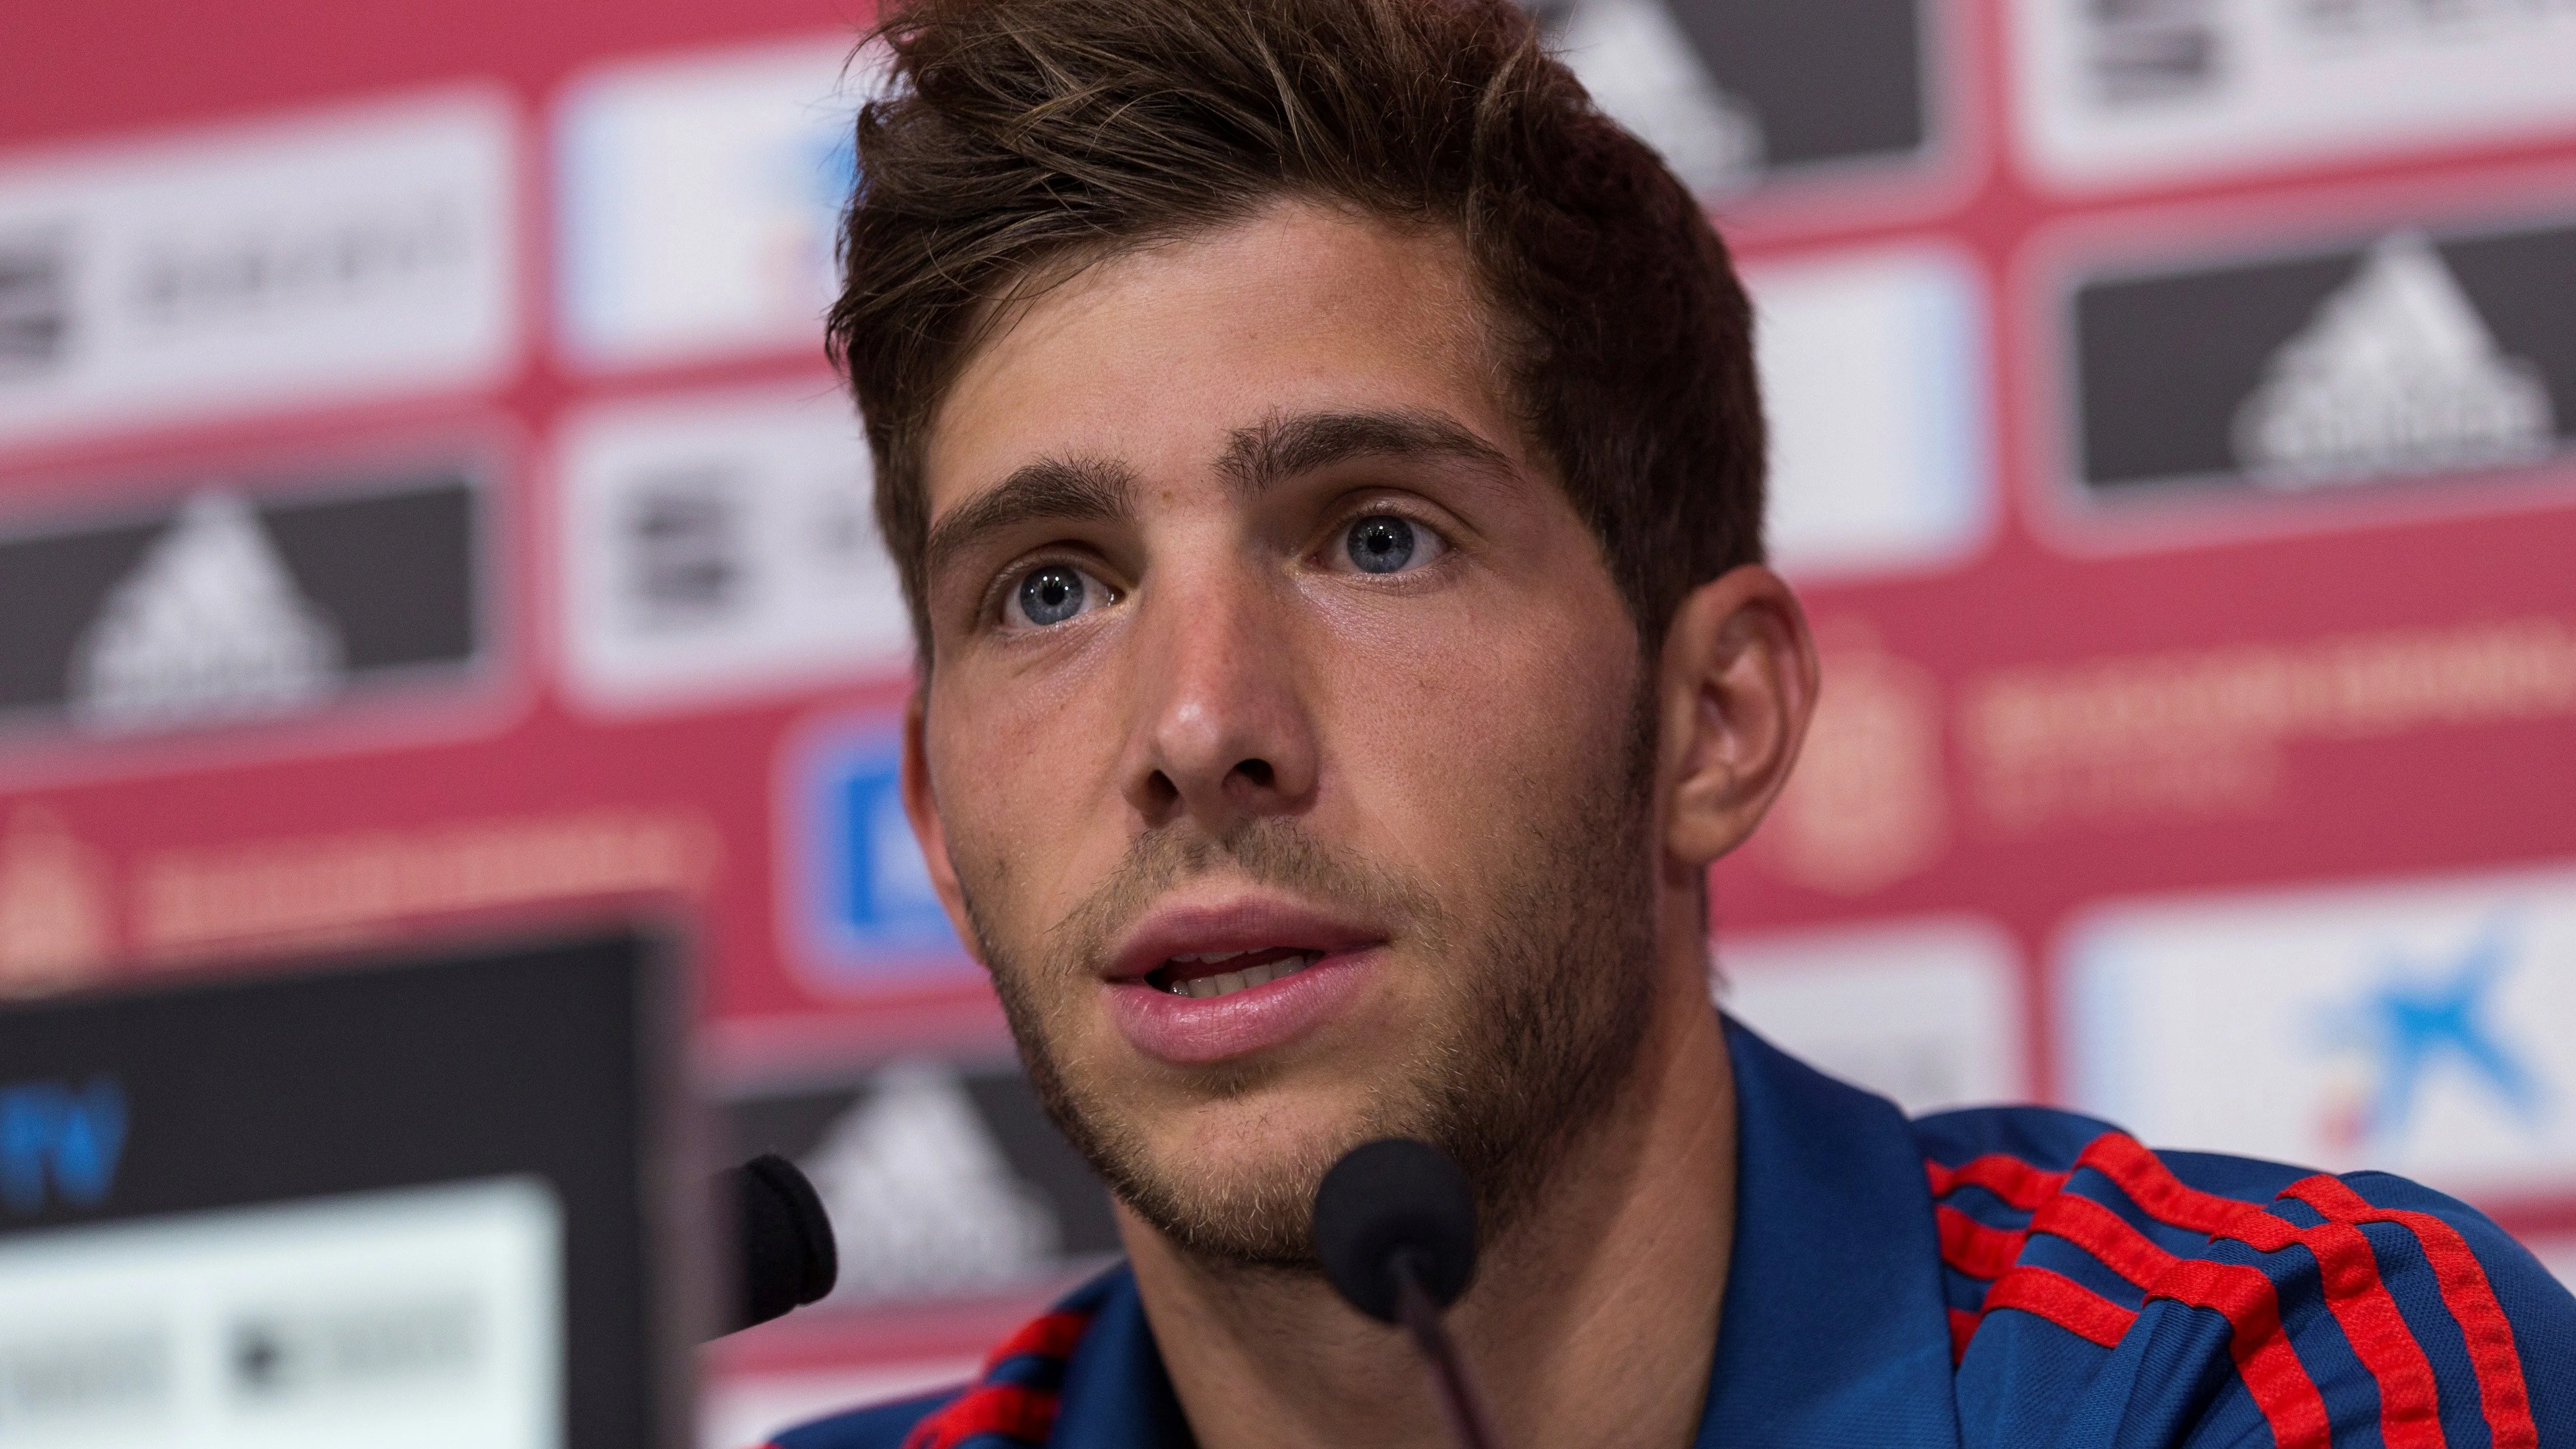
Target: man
{"x": 1325, "y": 466}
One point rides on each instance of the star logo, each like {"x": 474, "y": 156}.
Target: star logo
{"x": 2428, "y": 1016}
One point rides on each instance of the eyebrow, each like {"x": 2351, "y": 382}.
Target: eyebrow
{"x": 1064, "y": 489}
{"x": 1254, "y": 458}
{"x": 1282, "y": 447}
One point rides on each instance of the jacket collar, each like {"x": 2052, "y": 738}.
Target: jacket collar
{"x": 1834, "y": 1331}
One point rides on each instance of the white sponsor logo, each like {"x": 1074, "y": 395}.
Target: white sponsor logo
{"x": 2396, "y": 373}
{"x": 209, "y": 626}
{"x": 292, "y": 262}
{"x": 2149, "y": 90}
{"x": 921, "y": 1199}
{"x": 1872, "y": 367}
{"x": 701, "y": 199}
{"x": 1642, "y": 71}
{"x": 2413, "y": 1027}
{"x": 1926, "y": 1012}
{"x": 723, "y": 544}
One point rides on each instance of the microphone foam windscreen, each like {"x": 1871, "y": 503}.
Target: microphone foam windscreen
{"x": 787, "y": 1253}
{"x": 1385, "y": 1198}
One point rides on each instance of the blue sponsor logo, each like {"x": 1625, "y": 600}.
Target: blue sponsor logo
{"x": 59, "y": 1144}
{"x": 2431, "y": 1016}
{"x": 864, "y": 909}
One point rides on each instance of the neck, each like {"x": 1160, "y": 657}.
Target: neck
{"x": 1594, "y": 1321}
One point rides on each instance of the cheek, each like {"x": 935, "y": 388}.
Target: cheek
{"x": 1025, "y": 780}
{"x": 1458, "y": 733}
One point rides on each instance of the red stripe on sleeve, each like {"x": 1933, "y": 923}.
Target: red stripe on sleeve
{"x": 2348, "y": 1272}
{"x": 1006, "y": 1409}
{"x": 2103, "y": 1233}
{"x": 2019, "y": 1183}
{"x": 2264, "y": 1359}
{"x": 2062, "y": 1301}
{"x": 1016, "y": 1411}
{"x": 2465, "y": 1291}
{"x": 1974, "y": 1248}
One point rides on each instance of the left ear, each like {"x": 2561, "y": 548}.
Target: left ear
{"x": 1737, "y": 684}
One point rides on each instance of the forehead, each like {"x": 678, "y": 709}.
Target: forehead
{"x": 1156, "y": 357}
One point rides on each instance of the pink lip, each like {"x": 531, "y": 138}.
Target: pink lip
{"x": 1188, "y": 1031}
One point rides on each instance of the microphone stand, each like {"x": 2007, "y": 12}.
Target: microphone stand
{"x": 1415, "y": 1308}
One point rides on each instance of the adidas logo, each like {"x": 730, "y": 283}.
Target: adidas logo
{"x": 921, "y": 1198}
{"x": 2397, "y": 372}
{"x": 1643, "y": 72}
{"x": 209, "y": 626}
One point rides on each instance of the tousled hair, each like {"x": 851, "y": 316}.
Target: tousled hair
{"x": 1018, "y": 138}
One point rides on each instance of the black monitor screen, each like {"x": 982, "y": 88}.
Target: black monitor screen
{"x": 402, "y": 1204}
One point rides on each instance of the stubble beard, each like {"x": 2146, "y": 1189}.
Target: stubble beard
{"x": 1544, "y": 1011}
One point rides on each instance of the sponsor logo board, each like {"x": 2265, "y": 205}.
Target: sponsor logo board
{"x": 2412, "y": 1026}
{"x": 2413, "y": 355}
{"x": 289, "y": 263}
{"x": 1735, "y": 95}
{"x": 700, "y": 201}
{"x": 2151, "y": 90}
{"x": 1873, "y": 368}
{"x": 942, "y": 1179}
{"x": 234, "y": 605}
{"x": 1927, "y": 1012}
{"x": 859, "y": 913}
{"x": 717, "y": 546}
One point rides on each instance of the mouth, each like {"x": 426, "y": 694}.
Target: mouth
{"x": 1212, "y": 979}
{"x": 1222, "y": 973}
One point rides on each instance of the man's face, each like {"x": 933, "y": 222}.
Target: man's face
{"x": 1288, "y": 739}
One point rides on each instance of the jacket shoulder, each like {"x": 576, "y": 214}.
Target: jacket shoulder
{"x": 2102, "y": 1293}
{"x": 879, "y": 1426}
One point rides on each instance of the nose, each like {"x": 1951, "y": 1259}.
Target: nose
{"x": 1221, "y": 735}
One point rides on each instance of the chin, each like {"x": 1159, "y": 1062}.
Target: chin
{"x": 1235, "y": 1177}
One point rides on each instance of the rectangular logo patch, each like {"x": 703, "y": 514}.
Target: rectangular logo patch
{"x": 1734, "y": 95}
{"x": 2159, "y": 90}
{"x": 719, "y": 547}
{"x": 288, "y": 263}
{"x": 232, "y": 606}
{"x": 2411, "y": 355}
{"x": 2415, "y": 1026}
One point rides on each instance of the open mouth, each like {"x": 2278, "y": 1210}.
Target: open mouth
{"x": 1222, "y": 973}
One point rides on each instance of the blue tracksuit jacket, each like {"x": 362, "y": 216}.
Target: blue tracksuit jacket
{"x": 2001, "y": 1276}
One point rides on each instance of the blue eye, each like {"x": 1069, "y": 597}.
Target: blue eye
{"x": 1381, "y": 544}
{"x": 1052, "y": 594}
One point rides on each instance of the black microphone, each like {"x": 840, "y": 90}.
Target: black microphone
{"x": 1395, "y": 1226}
{"x": 784, "y": 1254}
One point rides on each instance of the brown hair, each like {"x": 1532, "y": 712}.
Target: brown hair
{"x": 1020, "y": 136}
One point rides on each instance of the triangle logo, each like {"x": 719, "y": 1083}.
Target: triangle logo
{"x": 2396, "y": 373}
{"x": 922, "y": 1201}
{"x": 209, "y": 626}
{"x": 1643, "y": 73}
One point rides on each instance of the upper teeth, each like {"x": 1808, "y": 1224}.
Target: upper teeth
{"x": 1230, "y": 981}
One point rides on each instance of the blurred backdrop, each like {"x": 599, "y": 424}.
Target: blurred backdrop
{"x": 424, "y": 506}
